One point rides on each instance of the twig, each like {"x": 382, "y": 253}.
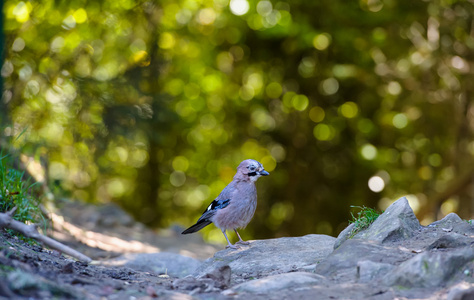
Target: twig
{"x": 6, "y": 221}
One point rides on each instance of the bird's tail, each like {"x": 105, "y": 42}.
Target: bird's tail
{"x": 196, "y": 227}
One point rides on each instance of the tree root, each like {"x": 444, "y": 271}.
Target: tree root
{"x": 6, "y": 221}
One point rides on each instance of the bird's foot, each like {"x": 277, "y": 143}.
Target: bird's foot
{"x": 232, "y": 246}
{"x": 243, "y": 243}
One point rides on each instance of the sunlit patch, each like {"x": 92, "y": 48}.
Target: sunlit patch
{"x": 18, "y": 45}
{"x": 80, "y": 15}
{"x": 435, "y": 160}
{"x": 116, "y": 187}
{"x": 394, "y": 88}
{"x": 69, "y": 22}
{"x": 167, "y": 41}
{"x": 400, "y": 121}
{"x": 22, "y": 11}
{"x": 376, "y": 184}
{"x": 368, "y": 151}
{"x": 316, "y": 114}
{"x": 300, "y": 102}
{"x": 262, "y": 119}
{"x": 177, "y": 178}
{"x": 414, "y": 202}
{"x": 349, "y": 109}
{"x": 371, "y": 5}
{"x": 449, "y": 206}
{"x": 264, "y": 8}
{"x": 278, "y": 152}
{"x": 324, "y": 132}
{"x": 329, "y": 86}
{"x": 425, "y": 173}
{"x": 274, "y": 90}
{"x": 207, "y": 16}
{"x": 239, "y": 7}
{"x": 269, "y": 163}
{"x": 322, "y": 41}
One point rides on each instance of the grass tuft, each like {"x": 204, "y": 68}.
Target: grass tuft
{"x": 15, "y": 191}
{"x": 365, "y": 217}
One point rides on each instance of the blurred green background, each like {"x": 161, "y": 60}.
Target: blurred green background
{"x": 153, "y": 104}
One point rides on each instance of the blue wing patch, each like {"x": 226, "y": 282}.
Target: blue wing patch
{"x": 217, "y": 204}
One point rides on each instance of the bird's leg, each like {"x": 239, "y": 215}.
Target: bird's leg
{"x": 230, "y": 245}
{"x": 242, "y": 242}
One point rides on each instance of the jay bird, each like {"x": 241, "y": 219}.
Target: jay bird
{"x": 236, "y": 204}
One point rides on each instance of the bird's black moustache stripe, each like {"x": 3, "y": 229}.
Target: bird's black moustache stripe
{"x": 252, "y": 174}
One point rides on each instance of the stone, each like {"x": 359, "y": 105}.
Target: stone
{"x": 449, "y": 219}
{"x": 430, "y": 269}
{"x": 368, "y": 271}
{"x": 280, "y": 282}
{"x": 270, "y": 257}
{"x": 461, "y": 291}
{"x": 172, "y": 264}
{"x": 451, "y": 240}
{"x": 398, "y": 222}
{"x": 343, "y": 262}
{"x": 453, "y": 223}
{"x": 344, "y": 235}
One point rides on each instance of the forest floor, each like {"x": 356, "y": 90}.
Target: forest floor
{"x": 102, "y": 233}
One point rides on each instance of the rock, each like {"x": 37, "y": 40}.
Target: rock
{"x": 270, "y": 257}
{"x": 451, "y": 240}
{"x": 430, "y": 269}
{"x": 462, "y": 291}
{"x": 396, "y": 223}
{"x": 368, "y": 271}
{"x": 218, "y": 280}
{"x": 449, "y": 219}
{"x": 172, "y": 264}
{"x": 343, "y": 262}
{"x": 279, "y": 282}
{"x": 220, "y": 276}
{"x": 453, "y": 223}
{"x": 344, "y": 235}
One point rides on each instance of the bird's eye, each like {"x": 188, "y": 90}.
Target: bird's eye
{"x": 252, "y": 168}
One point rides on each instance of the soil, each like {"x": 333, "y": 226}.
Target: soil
{"x": 29, "y": 271}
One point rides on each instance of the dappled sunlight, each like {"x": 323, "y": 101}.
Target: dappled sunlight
{"x": 153, "y": 105}
{"x": 99, "y": 240}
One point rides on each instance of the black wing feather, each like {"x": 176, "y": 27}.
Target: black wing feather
{"x": 204, "y": 220}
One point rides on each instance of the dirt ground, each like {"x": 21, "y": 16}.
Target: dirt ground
{"x": 31, "y": 272}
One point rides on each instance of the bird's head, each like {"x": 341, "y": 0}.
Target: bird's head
{"x": 250, "y": 169}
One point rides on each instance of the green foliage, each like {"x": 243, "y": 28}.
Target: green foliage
{"x": 365, "y": 217}
{"x": 15, "y": 192}
{"x": 152, "y": 104}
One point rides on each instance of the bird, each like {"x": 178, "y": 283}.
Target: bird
{"x": 235, "y": 205}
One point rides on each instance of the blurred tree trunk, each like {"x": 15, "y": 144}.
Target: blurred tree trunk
{"x": 3, "y": 106}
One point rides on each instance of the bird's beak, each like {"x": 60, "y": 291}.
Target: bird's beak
{"x": 264, "y": 173}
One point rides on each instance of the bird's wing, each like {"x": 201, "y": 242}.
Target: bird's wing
{"x": 205, "y": 219}
{"x": 213, "y": 207}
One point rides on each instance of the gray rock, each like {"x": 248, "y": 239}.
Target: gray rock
{"x": 172, "y": 264}
{"x": 462, "y": 291}
{"x": 344, "y": 260}
{"x": 398, "y": 222}
{"x": 344, "y": 235}
{"x": 270, "y": 257}
{"x": 280, "y": 282}
{"x": 430, "y": 269}
{"x": 368, "y": 271}
{"x": 450, "y": 219}
{"x": 453, "y": 223}
{"x": 451, "y": 240}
